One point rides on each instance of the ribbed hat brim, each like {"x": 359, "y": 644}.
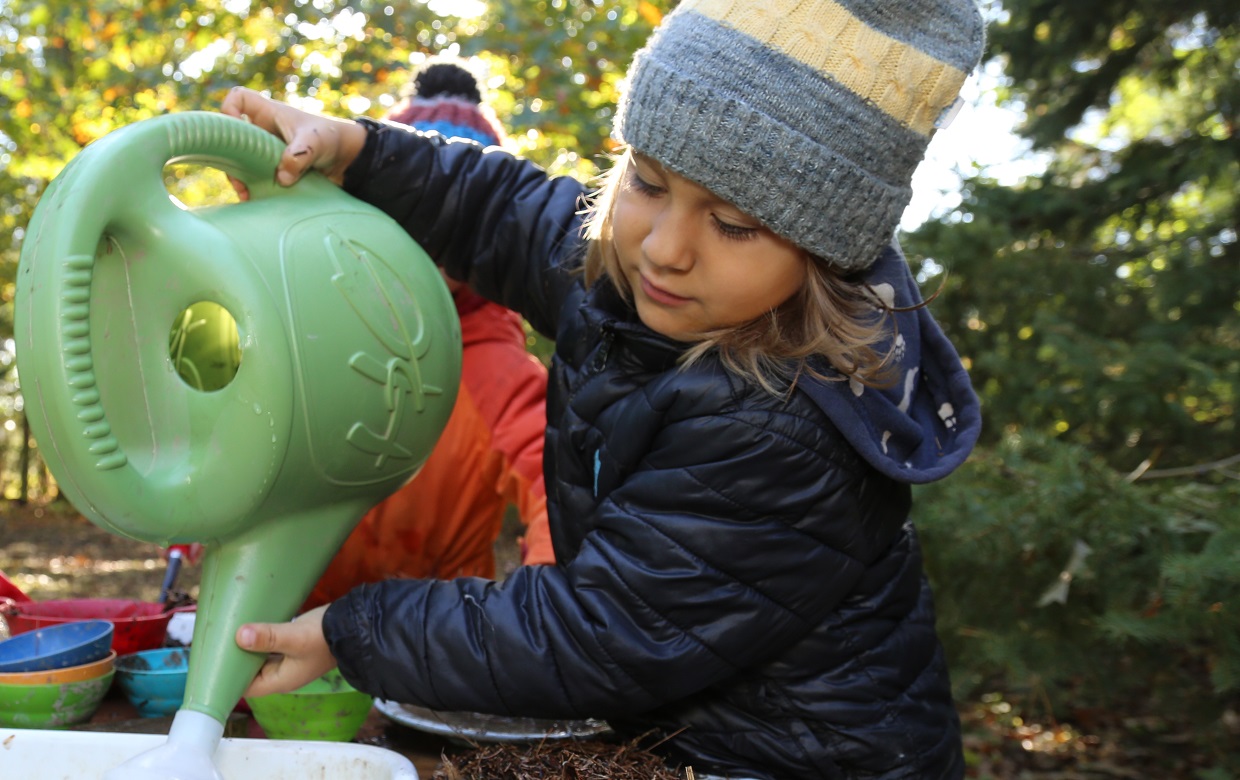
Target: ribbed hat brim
{"x": 814, "y": 159}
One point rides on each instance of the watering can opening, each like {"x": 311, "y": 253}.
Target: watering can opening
{"x": 193, "y": 185}
{"x": 204, "y": 346}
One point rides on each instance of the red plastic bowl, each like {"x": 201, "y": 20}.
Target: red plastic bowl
{"x": 140, "y": 625}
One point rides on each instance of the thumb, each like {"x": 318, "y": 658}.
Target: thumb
{"x": 261, "y": 637}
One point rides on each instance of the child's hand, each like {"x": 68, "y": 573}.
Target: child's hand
{"x": 314, "y": 141}
{"x": 299, "y": 652}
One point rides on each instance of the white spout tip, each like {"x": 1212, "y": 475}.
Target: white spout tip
{"x": 187, "y": 755}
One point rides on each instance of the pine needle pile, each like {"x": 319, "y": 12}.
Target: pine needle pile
{"x": 558, "y": 760}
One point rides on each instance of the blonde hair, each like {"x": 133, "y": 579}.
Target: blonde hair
{"x": 832, "y": 318}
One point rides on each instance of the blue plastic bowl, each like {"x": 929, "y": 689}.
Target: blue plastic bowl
{"x": 55, "y": 647}
{"x": 154, "y": 680}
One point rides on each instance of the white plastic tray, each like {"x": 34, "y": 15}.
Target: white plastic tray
{"x": 36, "y": 754}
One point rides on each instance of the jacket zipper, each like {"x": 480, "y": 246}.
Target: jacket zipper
{"x": 604, "y": 351}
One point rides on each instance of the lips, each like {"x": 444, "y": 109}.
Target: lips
{"x": 659, "y": 295}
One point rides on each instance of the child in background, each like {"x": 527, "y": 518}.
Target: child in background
{"x": 444, "y": 523}
{"x": 745, "y": 385}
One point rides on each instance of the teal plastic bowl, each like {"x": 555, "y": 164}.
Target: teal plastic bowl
{"x": 154, "y": 680}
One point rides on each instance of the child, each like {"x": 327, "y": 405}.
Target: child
{"x": 745, "y": 384}
{"x": 445, "y": 521}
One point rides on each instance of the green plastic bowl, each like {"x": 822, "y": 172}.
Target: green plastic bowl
{"x": 53, "y": 705}
{"x": 328, "y": 709}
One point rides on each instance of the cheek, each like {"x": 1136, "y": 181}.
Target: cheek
{"x": 799, "y": 275}
{"x": 628, "y": 220}
{"x": 787, "y": 277}
{"x": 796, "y": 281}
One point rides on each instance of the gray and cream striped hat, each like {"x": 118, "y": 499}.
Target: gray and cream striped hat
{"x": 809, "y": 115}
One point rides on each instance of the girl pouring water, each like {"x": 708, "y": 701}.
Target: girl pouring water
{"x": 746, "y": 383}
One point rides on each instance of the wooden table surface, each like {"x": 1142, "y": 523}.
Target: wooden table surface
{"x": 116, "y": 714}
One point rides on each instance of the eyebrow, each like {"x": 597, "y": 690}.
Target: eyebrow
{"x": 653, "y": 163}
{"x": 741, "y": 214}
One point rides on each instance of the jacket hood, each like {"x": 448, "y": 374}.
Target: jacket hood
{"x": 918, "y": 430}
{"x": 925, "y": 425}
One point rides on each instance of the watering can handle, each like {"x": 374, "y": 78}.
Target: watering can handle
{"x": 230, "y": 144}
{"x": 109, "y": 262}
{"x": 219, "y": 141}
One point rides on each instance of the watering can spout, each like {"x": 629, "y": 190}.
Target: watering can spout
{"x": 187, "y": 755}
{"x": 252, "y": 376}
{"x": 247, "y": 579}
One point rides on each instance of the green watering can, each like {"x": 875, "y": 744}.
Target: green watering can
{"x": 254, "y": 376}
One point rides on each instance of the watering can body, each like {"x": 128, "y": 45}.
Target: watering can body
{"x": 254, "y": 376}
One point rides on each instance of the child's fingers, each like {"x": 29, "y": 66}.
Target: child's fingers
{"x": 251, "y": 106}
{"x": 314, "y": 141}
{"x": 297, "y": 654}
{"x": 305, "y": 150}
{"x": 243, "y": 192}
{"x": 271, "y": 678}
{"x": 276, "y": 118}
{"x": 234, "y": 102}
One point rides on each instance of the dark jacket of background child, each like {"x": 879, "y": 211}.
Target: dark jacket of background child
{"x": 732, "y": 573}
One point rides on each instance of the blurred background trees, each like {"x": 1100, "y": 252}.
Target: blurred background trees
{"x": 1098, "y": 305}
{"x": 1088, "y": 557}
{"x": 71, "y": 72}
{"x": 1099, "y": 300}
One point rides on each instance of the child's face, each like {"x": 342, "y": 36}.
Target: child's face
{"x": 695, "y": 262}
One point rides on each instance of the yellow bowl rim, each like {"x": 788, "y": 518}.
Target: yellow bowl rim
{"x": 68, "y": 674}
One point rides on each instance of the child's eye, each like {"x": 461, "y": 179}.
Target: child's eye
{"x": 734, "y": 232}
{"x": 643, "y": 186}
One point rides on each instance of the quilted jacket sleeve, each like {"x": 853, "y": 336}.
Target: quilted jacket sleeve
{"x": 657, "y": 604}
{"x": 490, "y": 219}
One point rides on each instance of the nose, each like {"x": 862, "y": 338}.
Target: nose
{"x": 669, "y": 243}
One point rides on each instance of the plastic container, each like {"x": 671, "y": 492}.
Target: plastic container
{"x": 9, "y": 589}
{"x": 68, "y": 674}
{"x": 139, "y": 625}
{"x": 56, "y": 647}
{"x": 154, "y": 680}
{"x": 51, "y": 706}
{"x": 86, "y": 755}
{"x": 327, "y": 709}
{"x": 348, "y": 371}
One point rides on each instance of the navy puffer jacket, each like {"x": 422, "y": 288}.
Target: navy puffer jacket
{"x": 731, "y": 572}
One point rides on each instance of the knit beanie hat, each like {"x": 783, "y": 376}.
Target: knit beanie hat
{"x": 809, "y": 115}
{"x": 447, "y": 98}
